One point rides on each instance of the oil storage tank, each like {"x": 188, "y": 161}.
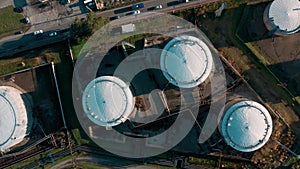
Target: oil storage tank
{"x": 15, "y": 117}
{"x": 283, "y": 16}
{"x": 246, "y": 125}
{"x": 107, "y": 101}
{"x": 186, "y": 61}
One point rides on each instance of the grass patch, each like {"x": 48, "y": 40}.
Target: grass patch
{"x": 257, "y": 53}
{"x": 61, "y": 159}
{"x": 76, "y": 48}
{"x": 31, "y": 58}
{"x": 77, "y": 136}
{"x": 158, "y": 166}
{"x": 10, "y": 21}
{"x": 291, "y": 161}
{"x": 15, "y": 64}
{"x": 297, "y": 98}
{"x": 26, "y": 162}
{"x": 236, "y": 58}
{"x": 35, "y": 158}
{"x": 202, "y": 162}
{"x": 229, "y": 5}
{"x": 89, "y": 166}
{"x": 214, "y": 163}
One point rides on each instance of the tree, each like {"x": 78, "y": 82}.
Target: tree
{"x": 83, "y": 29}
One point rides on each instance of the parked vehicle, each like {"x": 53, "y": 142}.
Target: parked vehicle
{"x": 183, "y": 1}
{"x": 27, "y": 20}
{"x": 137, "y": 6}
{"x": 18, "y": 32}
{"x": 52, "y": 34}
{"x": 114, "y": 17}
{"x": 158, "y": 7}
{"x": 39, "y": 32}
{"x": 136, "y": 12}
{"x": 18, "y": 9}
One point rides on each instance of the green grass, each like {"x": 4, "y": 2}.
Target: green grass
{"x": 15, "y": 64}
{"x": 229, "y": 4}
{"x": 90, "y": 166}
{"x": 76, "y": 48}
{"x": 27, "y": 162}
{"x": 35, "y": 158}
{"x": 79, "y": 140}
{"x": 59, "y": 160}
{"x": 203, "y": 162}
{"x": 10, "y": 21}
{"x": 214, "y": 163}
{"x": 154, "y": 166}
{"x": 297, "y": 98}
{"x": 30, "y": 59}
{"x": 292, "y": 163}
{"x": 258, "y": 54}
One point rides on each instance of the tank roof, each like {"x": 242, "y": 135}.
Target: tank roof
{"x": 107, "y": 101}
{"x": 186, "y": 61}
{"x": 286, "y": 15}
{"x": 13, "y": 118}
{"x": 246, "y": 126}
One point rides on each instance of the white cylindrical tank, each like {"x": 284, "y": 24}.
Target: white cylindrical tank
{"x": 186, "y": 61}
{"x": 15, "y": 118}
{"x": 283, "y": 16}
{"x": 246, "y": 126}
{"x": 107, "y": 101}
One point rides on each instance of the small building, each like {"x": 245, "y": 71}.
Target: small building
{"x": 246, "y": 126}
{"x": 283, "y": 16}
{"x": 186, "y": 61}
{"x": 107, "y": 101}
{"x": 15, "y": 117}
{"x": 128, "y": 28}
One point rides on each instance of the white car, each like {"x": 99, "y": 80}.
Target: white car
{"x": 52, "y": 34}
{"x": 136, "y": 12}
{"x": 38, "y": 32}
{"x": 27, "y": 20}
{"x": 158, "y": 7}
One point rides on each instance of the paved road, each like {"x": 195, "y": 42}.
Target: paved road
{"x": 17, "y": 43}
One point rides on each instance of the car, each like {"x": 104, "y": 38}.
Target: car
{"x": 183, "y": 1}
{"x": 18, "y": 9}
{"x": 52, "y": 34}
{"x": 39, "y": 32}
{"x": 158, "y": 7}
{"x": 27, "y": 20}
{"x": 18, "y": 32}
{"x": 136, "y": 12}
{"x": 179, "y": 27}
{"x": 114, "y": 17}
{"x": 137, "y": 6}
